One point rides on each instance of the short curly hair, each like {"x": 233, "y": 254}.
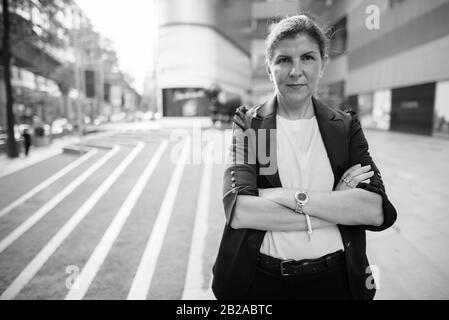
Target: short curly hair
{"x": 290, "y": 27}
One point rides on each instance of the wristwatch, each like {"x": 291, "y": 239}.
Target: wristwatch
{"x": 301, "y": 198}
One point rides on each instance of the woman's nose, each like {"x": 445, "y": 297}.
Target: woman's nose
{"x": 296, "y": 70}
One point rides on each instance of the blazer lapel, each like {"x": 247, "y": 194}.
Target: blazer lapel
{"x": 265, "y": 119}
{"x": 332, "y": 131}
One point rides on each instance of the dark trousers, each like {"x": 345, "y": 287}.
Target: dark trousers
{"x": 328, "y": 284}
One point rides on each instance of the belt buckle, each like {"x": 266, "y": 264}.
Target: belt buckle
{"x": 282, "y": 267}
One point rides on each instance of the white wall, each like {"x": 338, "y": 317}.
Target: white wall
{"x": 187, "y": 11}
{"x": 197, "y": 56}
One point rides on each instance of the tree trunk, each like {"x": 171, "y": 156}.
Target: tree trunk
{"x": 12, "y": 146}
{"x": 64, "y": 112}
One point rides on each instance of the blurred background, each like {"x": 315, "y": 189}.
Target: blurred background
{"x": 93, "y": 74}
{"x": 202, "y": 58}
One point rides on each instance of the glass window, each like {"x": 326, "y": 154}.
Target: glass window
{"x": 441, "y": 115}
{"x": 396, "y": 3}
{"x": 382, "y": 109}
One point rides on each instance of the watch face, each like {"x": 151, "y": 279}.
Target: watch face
{"x": 302, "y": 196}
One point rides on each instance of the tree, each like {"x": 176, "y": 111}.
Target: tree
{"x": 12, "y": 146}
{"x": 24, "y": 30}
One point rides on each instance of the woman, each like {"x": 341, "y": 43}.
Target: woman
{"x": 301, "y": 188}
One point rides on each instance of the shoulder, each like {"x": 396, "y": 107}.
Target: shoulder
{"x": 244, "y": 115}
{"x": 349, "y": 112}
{"x": 246, "y": 111}
{"x": 345, "y": 113}
{"x": 349, "y": 118}
{"x": 348, "y": 115}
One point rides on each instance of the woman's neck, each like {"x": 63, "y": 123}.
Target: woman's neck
{"x": 295, "y": 110}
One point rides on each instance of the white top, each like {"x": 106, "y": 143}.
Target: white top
{"x": 303, "y": 165}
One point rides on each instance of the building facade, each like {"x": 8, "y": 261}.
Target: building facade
{"x": 391, "y": 64}
{"x": 70, "y": 77}
{"x": 201, "y": 43}
{"x": 387, "y": 58}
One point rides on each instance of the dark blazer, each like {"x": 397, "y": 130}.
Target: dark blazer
{"x": 345, "y": 145}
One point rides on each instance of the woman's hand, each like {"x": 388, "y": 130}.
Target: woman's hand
{"x": 353, "y": 176}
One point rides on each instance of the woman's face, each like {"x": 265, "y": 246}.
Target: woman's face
{"x": 296, "y": 67}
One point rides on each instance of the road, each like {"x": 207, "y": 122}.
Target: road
{"x": 130, "y": 196}
{"x": 138, "y": 215}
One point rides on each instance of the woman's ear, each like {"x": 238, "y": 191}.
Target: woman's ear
{"x": 267, "y": 68}
{"x": 325, "y": 62}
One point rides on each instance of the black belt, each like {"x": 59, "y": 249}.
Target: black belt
{"x": 300, "y": 267}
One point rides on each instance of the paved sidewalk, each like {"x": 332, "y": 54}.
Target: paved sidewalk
{"x": 163, "y": 123}
{"x": 412, "y": 256}
{"x": 36, "y": 154}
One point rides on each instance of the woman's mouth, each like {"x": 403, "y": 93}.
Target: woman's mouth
{"x": 296, "y": 85}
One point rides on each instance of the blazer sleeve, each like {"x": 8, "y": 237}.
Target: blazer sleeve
{"x": 240, "y": 176}
{"x": 358, "y": 151}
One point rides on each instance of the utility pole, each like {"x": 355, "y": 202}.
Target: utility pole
{"x": 12, "y": 146}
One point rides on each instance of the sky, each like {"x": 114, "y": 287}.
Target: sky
{"x": 130, "y": 25}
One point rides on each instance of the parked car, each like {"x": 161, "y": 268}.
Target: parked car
{"x": 118, "y": 117}
{"x": 61, "y": 127}
{"x": 100, "y": 119}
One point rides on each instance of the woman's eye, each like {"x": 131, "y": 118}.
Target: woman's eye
{"x": 282, "y": 60}
{"x": 308, "y": 58}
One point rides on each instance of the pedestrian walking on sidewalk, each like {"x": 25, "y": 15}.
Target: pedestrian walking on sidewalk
{"x": 301, "y": 188}
{"x": 26, "y": 141}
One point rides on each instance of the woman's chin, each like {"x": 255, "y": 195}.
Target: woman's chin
{"x": 297, "y": 96}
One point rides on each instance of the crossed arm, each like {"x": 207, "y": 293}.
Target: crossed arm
{"x": 367, "y": 205}
{"x": 273, "y": 210}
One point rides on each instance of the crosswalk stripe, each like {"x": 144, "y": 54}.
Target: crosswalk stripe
{"x": 47, "y": 182}
{"x": 97, "y": 258}
{"x": 142, "y": 280}
{"x": 48, "y": 206}
{"x": 34, "y": 266}
{"x": 194, "y": 276}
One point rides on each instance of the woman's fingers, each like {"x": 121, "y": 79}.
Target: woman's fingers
{"x": 355, "y": 175}
{"x": 350, "y": 170}
{"x": 358, "y": 171}
{"x": 363, "y": 176}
